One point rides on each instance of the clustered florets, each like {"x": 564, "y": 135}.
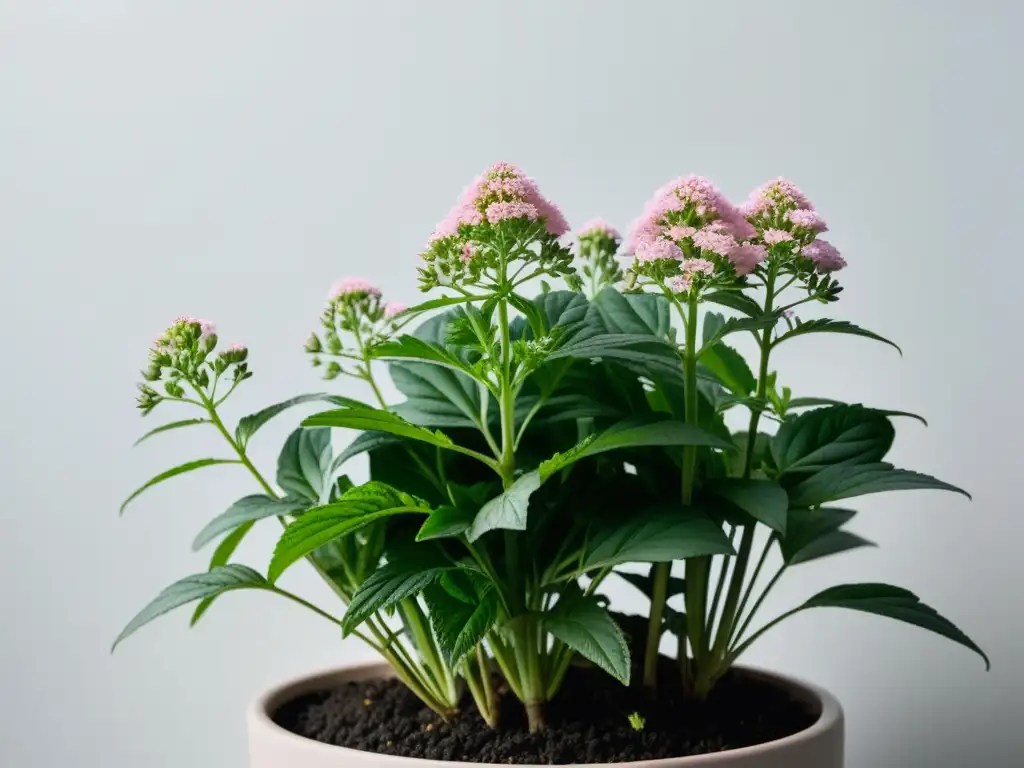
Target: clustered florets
{"x": 689, "y": 221}
{"x": 356, "y": 317}
{"x": 183, "y": 356}
{"x": 502, "y": 206}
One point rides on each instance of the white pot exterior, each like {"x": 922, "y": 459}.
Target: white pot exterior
{"x": 270, "y": 746}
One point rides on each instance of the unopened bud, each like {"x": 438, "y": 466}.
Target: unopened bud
{"x": 313, "y": 345}
{"x": 332, "y": 371}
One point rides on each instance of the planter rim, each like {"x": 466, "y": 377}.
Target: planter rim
{"x": 261, "y": 709}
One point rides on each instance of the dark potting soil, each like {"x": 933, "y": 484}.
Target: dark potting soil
{"x": 587, "y": 722}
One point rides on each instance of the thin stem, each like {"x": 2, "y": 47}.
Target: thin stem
{"x": 723, "y": 575}
{"x": 659, "y": 596}
{"x": 738, "y": 635}
{"x": 752, "y": 583}
{"x": 735, "y": 654}
{"x": 313, "y": 608}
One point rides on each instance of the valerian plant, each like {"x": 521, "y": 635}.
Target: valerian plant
{"x": 546, "y": 441}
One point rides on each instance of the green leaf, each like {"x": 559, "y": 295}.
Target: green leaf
{"x": 812, "y": 402}
{"x": 437, "y": 396}
{"x": 825, "y": 437}
{"x": 221, "y": 555}
{"x": 379, "y": 421}
{"x": 440, "y": 303}
{"x": 735, "y": 300}
{"x": 562, "y": 310}
{"x": 562, "y": 408}
{"x": 763, "y": 500}
{"x": 174, "y": 472}
{"x": 642, "y": 314}
{"x": 418, "y": 350}
{"x": 728, "y": 366}
{"x": 582, "y": 624}
{"x": 645, "y": 583}
{"x": 389, "y": 585}
{"x": 248, "y": 509}
{"x": 195, "y": 587}
{"x": 446, "y": 522}
{"x": 534, "y": 315}
{"x": 716, "y": 331}
{"x": 507, "y": 511}
{"x": 304, "y": 465}
{"x": 823, "y": 325}
{"x": 248, "y": 425}
{"x": 829, "y": 544}
{"x": 357, "y": 508}
{"x": 459, "y": 626}
{"x": 632, "y": 433}
{"x": 895, "y": 603}
{"x": 804, "y": 527}
{"x": 172, "y": 425}
{"x": 658, "y": 535}
{"x": 364, "y": 443}
{"x": 846, "y": 481}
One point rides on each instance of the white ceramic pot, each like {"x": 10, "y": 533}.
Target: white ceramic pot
{"x": 271, "y": 746}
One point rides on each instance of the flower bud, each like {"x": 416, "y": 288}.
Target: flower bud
{"x": 313, "y": 345}
{"x": 332, "y": 371}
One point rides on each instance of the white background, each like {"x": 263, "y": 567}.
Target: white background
{"x": 231, "y": 159}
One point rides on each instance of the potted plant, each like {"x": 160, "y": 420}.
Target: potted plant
{"x": 546, "y": 444}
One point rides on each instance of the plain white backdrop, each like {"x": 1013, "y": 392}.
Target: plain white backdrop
{"x": 232, "y": 158}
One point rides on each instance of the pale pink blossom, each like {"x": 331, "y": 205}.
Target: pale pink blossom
{"x": 598, "y": 227}
{"x": 654, "y": 250}
{"x": 714, "y": 241}
{"x": 680, "y": 283}
{"x": 824, "y": 255}
{"x": 510, "y": 210}
{"x": 773, "y": 194}
{"x": 698, "y": 266}
{"x": 353, "y": 286}
{"x": 393, "y": 308}
{"x": 693, "y": 193}
{"x": 468, "y": 252}
{"x": 680, "y": 233}
{"x": 775, "y": 236}
{"x": 236, "y": 347}
{"x": 806, "y": 219}
{"x": 746, "y": 256}
{"x": 510, "y": 193}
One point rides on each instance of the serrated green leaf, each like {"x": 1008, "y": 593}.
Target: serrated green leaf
{"x": 716, "y": 331}
{"x": 895, "y": 603}
{"x": 413, "y": 349}
{"x": 379, "y": 421}
{"x": 364, "y": 443}
{"x": 248, "y": 509}
{"x": 728, "y": 366}
{"x": 459, "y": 626}
{"x": 248, "y": 425}
{"x": 446, "y": 522}
{"x": 658, "y": 535}
{"x": 221, "y": 555}
{"x": 847, "y": 481}
{"x": 633, "y": 433}
{"x": 823, "y": 325}
{"x": 763, "y": 500}
{"x": 173, "y": 425}
{"x": 831, "y": 543}
{"x": 735, "y": 300}
{"x": 805, "y": 526}
{"x": 645, "y": 583}
{"x": 389, "y": 585}
{"x": 181, "y": 469}
{"x": 507, "y": 511}
{"x": 304, "y": 464}
{"x": 825, "y": 437}
{"x": 195, "y": 587}
{"x": 641, "y": 314}
{"x": 357, "y": 508}
{"x": 582, "y": 624}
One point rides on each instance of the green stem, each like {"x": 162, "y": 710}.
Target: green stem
{"x": 723, "y": 576}
{"x": 659, "y": 596}
{"x": 427, "y": 646}
{"x": 752, "y": 583}
{"x": 739, "y": 573}
{"x": 738, "y": 634}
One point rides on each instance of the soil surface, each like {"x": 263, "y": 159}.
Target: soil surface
{"x": 587, "y": 723}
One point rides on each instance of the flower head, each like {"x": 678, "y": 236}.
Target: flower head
{"x": 680, "y": 232}
{"x": 824, "y": 255}
{"x": 690, "y": 201}
{"x": 746, "y": 256}
{"x": 698, "y": 266}
{"x": 775, "y": 236}
{"x": 655, "y": 250}
{"x": 355, "y": 287}
{"x": 779, "y": 193}
{"x": 502, "y": 192}
{"x": 709, "y": 239}
{"x": 393, "y": 308}
{"x": 598, "y": 228}
{"x": 808, "y": 219}
{"x": 680, "y": 283}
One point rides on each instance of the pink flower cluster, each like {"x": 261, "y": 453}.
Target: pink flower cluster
{"x": 824, "y": 255}
{"x": 598, "y": 227}
{"x": 774, "y": 194}
{"x": 353, "y": 286}
{"x": 168, "y": 340}
{"x": 393, "y": 308}
{"x": 696, "y": 194}
{"x": 502, "y": 192}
